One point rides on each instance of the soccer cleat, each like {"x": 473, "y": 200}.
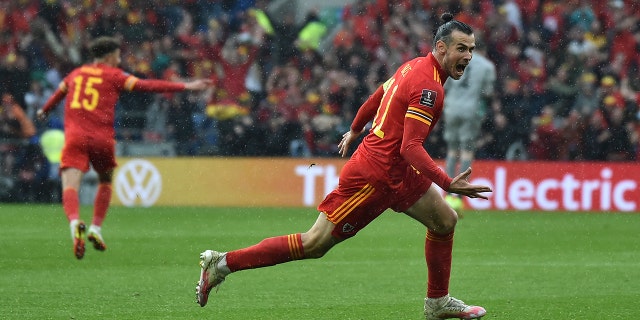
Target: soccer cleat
{"x": 210, "y": 275}
{"x": 78, "y": 228}
{"x": 450, "y": 308}
{"x": 96, "y": 238}
{"x": 456, "y": 203}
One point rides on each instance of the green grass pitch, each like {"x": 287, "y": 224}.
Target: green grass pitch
{"x": 517, "y": 265}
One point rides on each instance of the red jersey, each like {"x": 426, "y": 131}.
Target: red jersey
{"x": 92, "y": 92}
{"x": 404, "y": 110}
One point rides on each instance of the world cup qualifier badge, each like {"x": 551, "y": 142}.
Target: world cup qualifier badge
{"x": 428, "y": 98}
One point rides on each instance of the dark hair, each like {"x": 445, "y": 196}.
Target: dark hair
{"x": 444, "y": 30}
{"x": 103, "y": 46}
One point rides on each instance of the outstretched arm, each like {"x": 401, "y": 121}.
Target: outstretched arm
{"x": 367, "y": 111}
{"x": 365, "y": 114}
{"x": 200, "y": 84}
{"x": 156, "y": 85}
{"x": 52, "y": 102}
{"x": 412, "y": 150}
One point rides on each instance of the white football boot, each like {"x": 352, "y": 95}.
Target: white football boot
{"x": 210, "y": 275}
{"x": 450, "y": 308}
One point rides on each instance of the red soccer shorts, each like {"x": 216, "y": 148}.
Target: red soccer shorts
{"x": 356, "y": 201}
{"x": 79, "y": 152}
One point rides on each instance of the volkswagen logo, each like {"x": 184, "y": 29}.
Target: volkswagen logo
{"x": 138, "y": 183}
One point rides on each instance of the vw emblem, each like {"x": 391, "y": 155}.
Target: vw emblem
{"x": 138, "y": 181}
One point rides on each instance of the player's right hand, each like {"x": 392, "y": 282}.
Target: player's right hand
{"x": 347, "y": 139}
{"x": 41, "y": 115}
{"x": 199, "y": 84}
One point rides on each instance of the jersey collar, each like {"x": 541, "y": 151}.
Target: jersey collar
{"x": 441, "y": 75}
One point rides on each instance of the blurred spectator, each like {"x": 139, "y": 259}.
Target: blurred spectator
{"x": 596, "y": 137}
{"x": 242, "y": 136}
{"x": 618, "y": 146}
{"x": 15, "y": 129}
{"x": 311, "y": 33}
{"x": 561, "y": 91}
{"x": 513, "y": 104}
{"x": 569, "y": 56}
{"x": 32, "y": 174}
{"x": 586, "y": 100}
{"x": 583, "y": 16}
{"x": 546, "y": 139}
{"x": 236, "y": 58}
{"x": 14, "y": 123}
{"x": 181, "y": 127}
{"x": 610, "y": 97}
{"x": 498, "y": 135}
{"x": 52, "y": 142}
{"x": 34, "y": 99}
{"x": 327, "y": 132}
{"x": 15, "y": 75}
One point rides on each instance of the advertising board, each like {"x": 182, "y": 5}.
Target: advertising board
{"x": 303, "y": 182}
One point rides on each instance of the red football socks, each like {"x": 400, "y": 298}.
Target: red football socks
{"x": 268, "y": 252}
{"x": 101, "y": 203}
{"x": 71, "y": 203}
{"x": 438, "y": 249}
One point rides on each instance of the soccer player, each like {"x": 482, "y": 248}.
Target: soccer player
{"x": 91, "y": 93}
{"x": 465, "y": 103}
{"x": 389, "y": 169}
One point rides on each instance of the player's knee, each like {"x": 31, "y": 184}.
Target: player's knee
{"x": 315, "y": 252}
{"x": 446, "y": 221}
{"x": 449, "y": 223}
{"x": 315, "y": 247}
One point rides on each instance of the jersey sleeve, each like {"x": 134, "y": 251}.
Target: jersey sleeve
{"x": 367, "y": 111}
{"x": 425, "y": 104}
{"x": 133, "y": 83}
{"x": 55, "y": 98}
{"x": 129, "y": 82}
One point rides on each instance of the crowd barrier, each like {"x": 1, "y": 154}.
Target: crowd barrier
{"x": 303, "y": 182}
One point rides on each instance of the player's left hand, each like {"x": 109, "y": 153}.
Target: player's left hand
{"x": 460, "y": 185}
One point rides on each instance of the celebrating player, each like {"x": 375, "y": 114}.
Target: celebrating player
{"x": 389, "y": 169}
{"x": 91, "y": 93}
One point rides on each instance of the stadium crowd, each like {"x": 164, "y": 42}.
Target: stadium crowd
{"x": 568, "y": 86}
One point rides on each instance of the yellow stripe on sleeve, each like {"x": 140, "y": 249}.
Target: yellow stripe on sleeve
{"x": 130, "y": 82}
{"x": 63, "y": 87}
{"x": 427, "y": 122}
{"x": 420, "y": 111}
{"x": 420, "y": 115}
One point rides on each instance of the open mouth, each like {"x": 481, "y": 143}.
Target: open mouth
{"x": 460, "y": 67}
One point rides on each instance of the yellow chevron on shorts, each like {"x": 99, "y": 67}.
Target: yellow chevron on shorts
{"x": 356, "y": 199}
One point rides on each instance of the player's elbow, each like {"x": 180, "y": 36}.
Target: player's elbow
{"x": 407, "y": 152}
